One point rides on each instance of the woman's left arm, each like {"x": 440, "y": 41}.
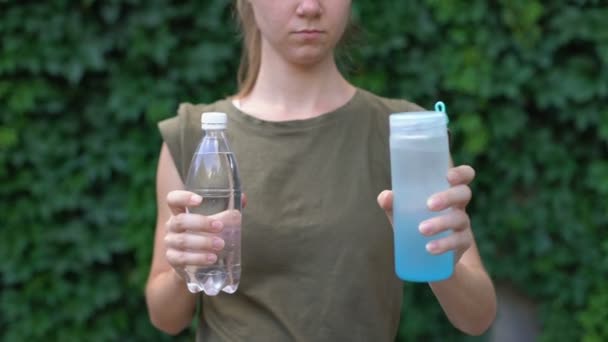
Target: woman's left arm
{"x": 467, "y": 297}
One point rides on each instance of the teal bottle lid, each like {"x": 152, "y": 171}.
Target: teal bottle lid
{"x": 440, "y": 107}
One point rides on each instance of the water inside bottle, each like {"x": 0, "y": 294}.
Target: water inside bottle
{"x": 419, "y": 167}
{"x": 225, "y": 274}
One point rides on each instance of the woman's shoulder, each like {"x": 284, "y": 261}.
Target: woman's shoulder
{"x": 182, "y": 131}
{"x": 189, "y": 113}
{"x": 388, "y": 105}
{"x": 187, "y": 121}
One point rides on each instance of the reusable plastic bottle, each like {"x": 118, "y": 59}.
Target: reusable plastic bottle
{"x": 213, "y": 174}
{"x": 420, "y": 158}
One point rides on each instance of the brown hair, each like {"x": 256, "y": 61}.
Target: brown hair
{"x": 251, "y": 57}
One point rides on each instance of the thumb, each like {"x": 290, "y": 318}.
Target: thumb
{"x": 243, "y": 201}
{"x": 385, "y": 201}
{"x": 179, "y": 200}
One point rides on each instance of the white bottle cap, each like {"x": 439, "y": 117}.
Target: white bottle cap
{"x": 213, "y": 120}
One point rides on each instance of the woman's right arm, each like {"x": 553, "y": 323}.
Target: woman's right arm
{"x": 170, "y": 305}
{"x": 181, "y": 239}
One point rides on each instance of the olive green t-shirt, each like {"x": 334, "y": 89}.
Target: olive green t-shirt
{"x": 317, "y": 251}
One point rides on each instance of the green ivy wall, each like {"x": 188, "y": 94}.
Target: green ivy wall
{"x": 83, "y": 83}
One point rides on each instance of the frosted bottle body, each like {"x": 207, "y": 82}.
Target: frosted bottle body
{"x": 420, "y": 159}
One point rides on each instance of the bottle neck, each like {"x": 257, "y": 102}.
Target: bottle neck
{"x": 214, "y": 141}
{"x": 214, "y": 132}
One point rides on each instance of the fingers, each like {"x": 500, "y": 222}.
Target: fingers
{"x": 459, "y": 241}
{"x": 385, "y": 201}
{"x": 180, "y": 259}
{"x": 191, "y": 239}
{"x": 194, "y": 223}
{"x": 228, "y": 218}
{"x": 244, "y": 201}
{"x": 456, "y": 220}
{"x": 187, "y": 248}
{"x": 457, "y": 196}
{"x": 193, "y": 242}
{"x": 178, "y": 200}
{"x": 463, "y": 174}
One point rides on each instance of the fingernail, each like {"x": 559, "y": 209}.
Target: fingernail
{"x": 195, "y": 199}
{"x": 425, "y": 227}
{"x": 211, "y": 258}
{"x": 431, "y": 247}
{"x": 217, "y": 225}
{"x": 218, "y": 243}
{"x": 433, "y": 202}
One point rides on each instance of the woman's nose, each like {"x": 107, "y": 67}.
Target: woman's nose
{"x": 309, "y": 8}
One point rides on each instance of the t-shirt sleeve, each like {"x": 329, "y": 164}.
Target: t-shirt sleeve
{"x": 175, "y": 134}
{"x": 169, "y": 130}
{"x": 399, "y": 105}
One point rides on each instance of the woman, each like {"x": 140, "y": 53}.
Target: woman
{"x": 313, "y": 156}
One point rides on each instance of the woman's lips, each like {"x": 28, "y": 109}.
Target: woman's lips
{"x": 309, "y": 34}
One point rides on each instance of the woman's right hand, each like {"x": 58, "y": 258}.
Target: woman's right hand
{"x": 191, "y": 239}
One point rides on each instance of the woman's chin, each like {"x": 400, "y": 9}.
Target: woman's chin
{"x": 309, "y": 57}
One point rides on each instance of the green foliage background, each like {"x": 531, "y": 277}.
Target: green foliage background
{"x": 83, "y": 83}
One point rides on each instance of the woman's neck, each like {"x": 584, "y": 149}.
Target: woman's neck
{"x": 284, "y": 91}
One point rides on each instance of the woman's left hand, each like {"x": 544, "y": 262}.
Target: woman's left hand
{"x": 456, "y": 198}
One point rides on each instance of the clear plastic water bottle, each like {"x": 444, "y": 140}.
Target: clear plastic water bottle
{"x": 213, "y": 174}
{"x": 420, "y": 160}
